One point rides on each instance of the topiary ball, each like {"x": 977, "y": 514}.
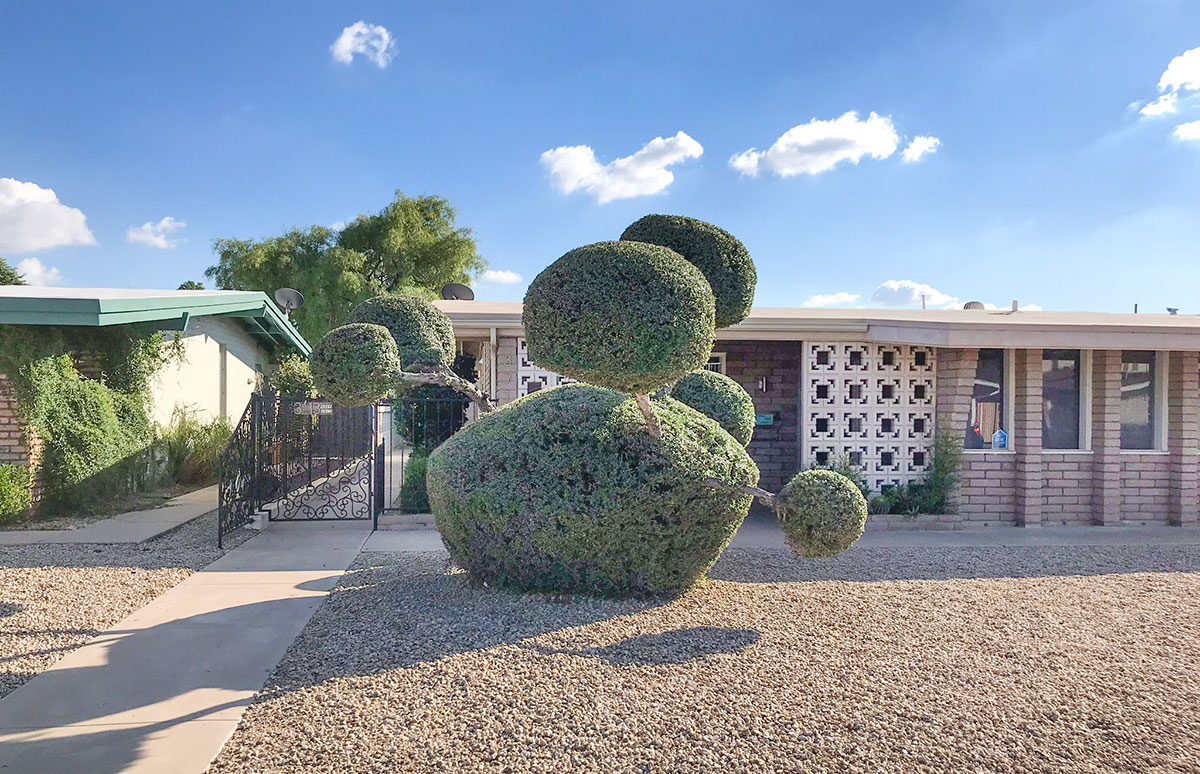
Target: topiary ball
{"x": 565, "y": 491}
{"x": 356, "y": 364}
{"x": 720, "y": 398}
{"x": 624, "y": 315}
{"x": 823, "y": 513}
{"x": 722, "y": 257}
{"x": 424, "y": 334}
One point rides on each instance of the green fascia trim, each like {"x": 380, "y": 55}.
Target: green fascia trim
{"x": 162, "y": 312}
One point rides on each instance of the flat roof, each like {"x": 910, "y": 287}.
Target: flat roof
{"x": 926, "y": 327}
{"x": 157, "y": 309}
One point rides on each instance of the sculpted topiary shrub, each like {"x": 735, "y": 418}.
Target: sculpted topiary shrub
{"x": 720, "y": 255}
{"x": 823, "y": 513}
{"x": 624, "y": 315}
{"x": 564, "y": 490}
{"x": 356, "y": 364}
{"x": 721, "y": 398}
{"x": 423, "y": 333}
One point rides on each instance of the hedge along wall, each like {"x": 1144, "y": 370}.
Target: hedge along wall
{"x": 95, "y": 434}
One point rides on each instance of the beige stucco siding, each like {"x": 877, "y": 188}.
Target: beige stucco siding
{"x": 195, "y": 383}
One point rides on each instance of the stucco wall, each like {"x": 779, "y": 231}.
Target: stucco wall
{"x": 195, "y": 383}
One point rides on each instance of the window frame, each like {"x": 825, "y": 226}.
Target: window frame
{"x": 1007, "y": 405}
{"x": 1158, "y": 419}
{"x": 721, "y": 363}
{"x": 1085, "y": 403}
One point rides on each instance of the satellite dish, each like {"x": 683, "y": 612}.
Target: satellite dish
{"x": 289, "y": 299}
{"x": 457, "y": 292}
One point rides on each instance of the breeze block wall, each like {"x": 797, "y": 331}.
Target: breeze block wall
{"x": 775, "y": 448}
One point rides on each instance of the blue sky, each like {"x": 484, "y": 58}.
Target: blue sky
{"x": 1048, "y": 185}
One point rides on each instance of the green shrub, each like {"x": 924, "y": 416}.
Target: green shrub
{"x": 624, "y": 315}
{"x": 424, "y": 334}
{"x": 931, "y": 494}
{"x": 413, "y": 496}
{"x": 14, "y": 491}
{"x": 720, "y": 255}
{"x": 842, "y": 464}
{"x": 356, "y": 364}
{"x": 823, "y": 513}
{"x": 194, "y": 447}
{"x": 720, "y": 398}
{"x": 292, "y": 377}
{"x": 564, "y": 490}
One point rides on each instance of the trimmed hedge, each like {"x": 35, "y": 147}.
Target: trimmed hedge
{"x": 720, "y": 255}
{"x": 720, "y": 398}
{"x": 424, "y": 334}
{"x": 356, "y": 364}
{"x": 413, "y": 495}
{"x": 14, "y": 491}
{"x": 564, "y": 490}
{"x": 292, "y": 377}
{"x": 823, "y": 513}
{"x": 625, "y": 315}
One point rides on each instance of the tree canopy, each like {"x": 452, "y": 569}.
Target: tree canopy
{"x": 412, "y": 246}
{"x": 9, "y": 275}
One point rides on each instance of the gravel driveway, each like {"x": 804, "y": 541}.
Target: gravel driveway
{"x": 950, "y": 659}
{"x": 54, "y": 598}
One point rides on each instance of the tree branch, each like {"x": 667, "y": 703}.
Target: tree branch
{"x": 446, "y": 378}
{"x": 653, "y": 425}
{"x": 762, "y": 495}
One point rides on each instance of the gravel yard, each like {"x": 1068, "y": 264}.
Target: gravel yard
{"x": 948, "y": 659}
{"x": 55, "y": 597}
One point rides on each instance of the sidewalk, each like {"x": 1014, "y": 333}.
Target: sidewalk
{"x": 164, "y": 689}
{"x": 132, "y": 527}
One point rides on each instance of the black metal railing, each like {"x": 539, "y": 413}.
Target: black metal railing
{"x": 239, "y": 490}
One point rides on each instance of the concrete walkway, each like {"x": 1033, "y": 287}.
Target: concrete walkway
{"x": 164, "y": 689}
{"x": 132, "y": 527}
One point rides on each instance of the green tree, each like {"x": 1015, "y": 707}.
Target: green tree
{"x": 8, "y": 275}
{"x": 192, "y": 285}
{"x": 412, "y": 246}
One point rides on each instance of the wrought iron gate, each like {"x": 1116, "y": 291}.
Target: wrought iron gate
{"x": 406, "y": 428}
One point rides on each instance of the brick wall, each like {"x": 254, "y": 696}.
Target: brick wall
{"x": 1183, "y": 436}
{"x": 987, "y": 491}
{"x": 1145, "y": 482}
{"x": 776, "y": 449}
{"x": 1067, "y": 488}
{"x": 14, "y": 441}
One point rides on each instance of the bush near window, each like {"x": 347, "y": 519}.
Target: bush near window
{"x": 720, "y": 255}
{"x": 356, "y": 364}
{"x": 823, "y": 513}
{"x": 424, "y": 334}
{"x": 564, "y": 490}
{"x": 721, "y": 398}
{"x": 14, "y": 491}
{"x": 625, "y": 315}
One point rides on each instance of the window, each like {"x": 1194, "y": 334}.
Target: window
{"x": 1138, "y": 399}
{"x": 1062, "y": 398}
{"x": 716, "y": 362}
{"x": 987, "y": 400}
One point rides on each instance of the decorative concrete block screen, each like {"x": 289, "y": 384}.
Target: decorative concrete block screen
{"x": 531, "y": 378}
{"x": 871, "y": 402}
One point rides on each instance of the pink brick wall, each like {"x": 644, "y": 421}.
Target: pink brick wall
{"x": 987, "y": 492}
{"x": 1145, "y": 488}
{"x": 1067, "y": 488}
{"x": 776, "y": 449}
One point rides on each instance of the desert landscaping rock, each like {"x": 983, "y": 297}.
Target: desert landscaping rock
{"x": 56, "y": 597}
{"x": 915, "y": 660}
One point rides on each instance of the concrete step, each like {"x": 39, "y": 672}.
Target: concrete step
{"x": 398, "y": 521}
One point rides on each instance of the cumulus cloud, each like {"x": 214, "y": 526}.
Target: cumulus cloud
{"x": 155, "y": 234}
{"x": 32, "y": 218}
{"x": 907, "y": 293}
{"x": 841, "y": 298}
{"x": 920, "y": 145}
{"x": 501, "y": 277}
{"x": 575, "y": 168}
{"x": 1165, "y": 104}
{"x": 372, "y": 41}
{"x": 1182, "y": 73}
{"x": 1188, "y": 131}
{"x": 818, "y": 146}
{"x": 34, "y": 272}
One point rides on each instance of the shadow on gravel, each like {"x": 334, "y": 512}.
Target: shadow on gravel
{"x": 779, "y": 565}
{"x": 673, "y": 647}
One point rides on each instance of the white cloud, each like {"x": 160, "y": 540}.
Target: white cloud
{"x": 907, "y": 293}
{"x": 1188, "y": 131}
{"x": 1161, "y": 106}
{"x": 155, "y": 234}
{"x": 1182, "y": 73}
{"x": 818, "y": 146}
{"x": 338, "y": 225}
{"x": 370, "y": 40}
{"x": 501, "y": 276}
{"x": 920, "y": 145}
{"x": 32, "y": 218}
{"x": 574, "y": 168}
{"x": 34, "y": 272}
{"x": 841, "y": 298}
